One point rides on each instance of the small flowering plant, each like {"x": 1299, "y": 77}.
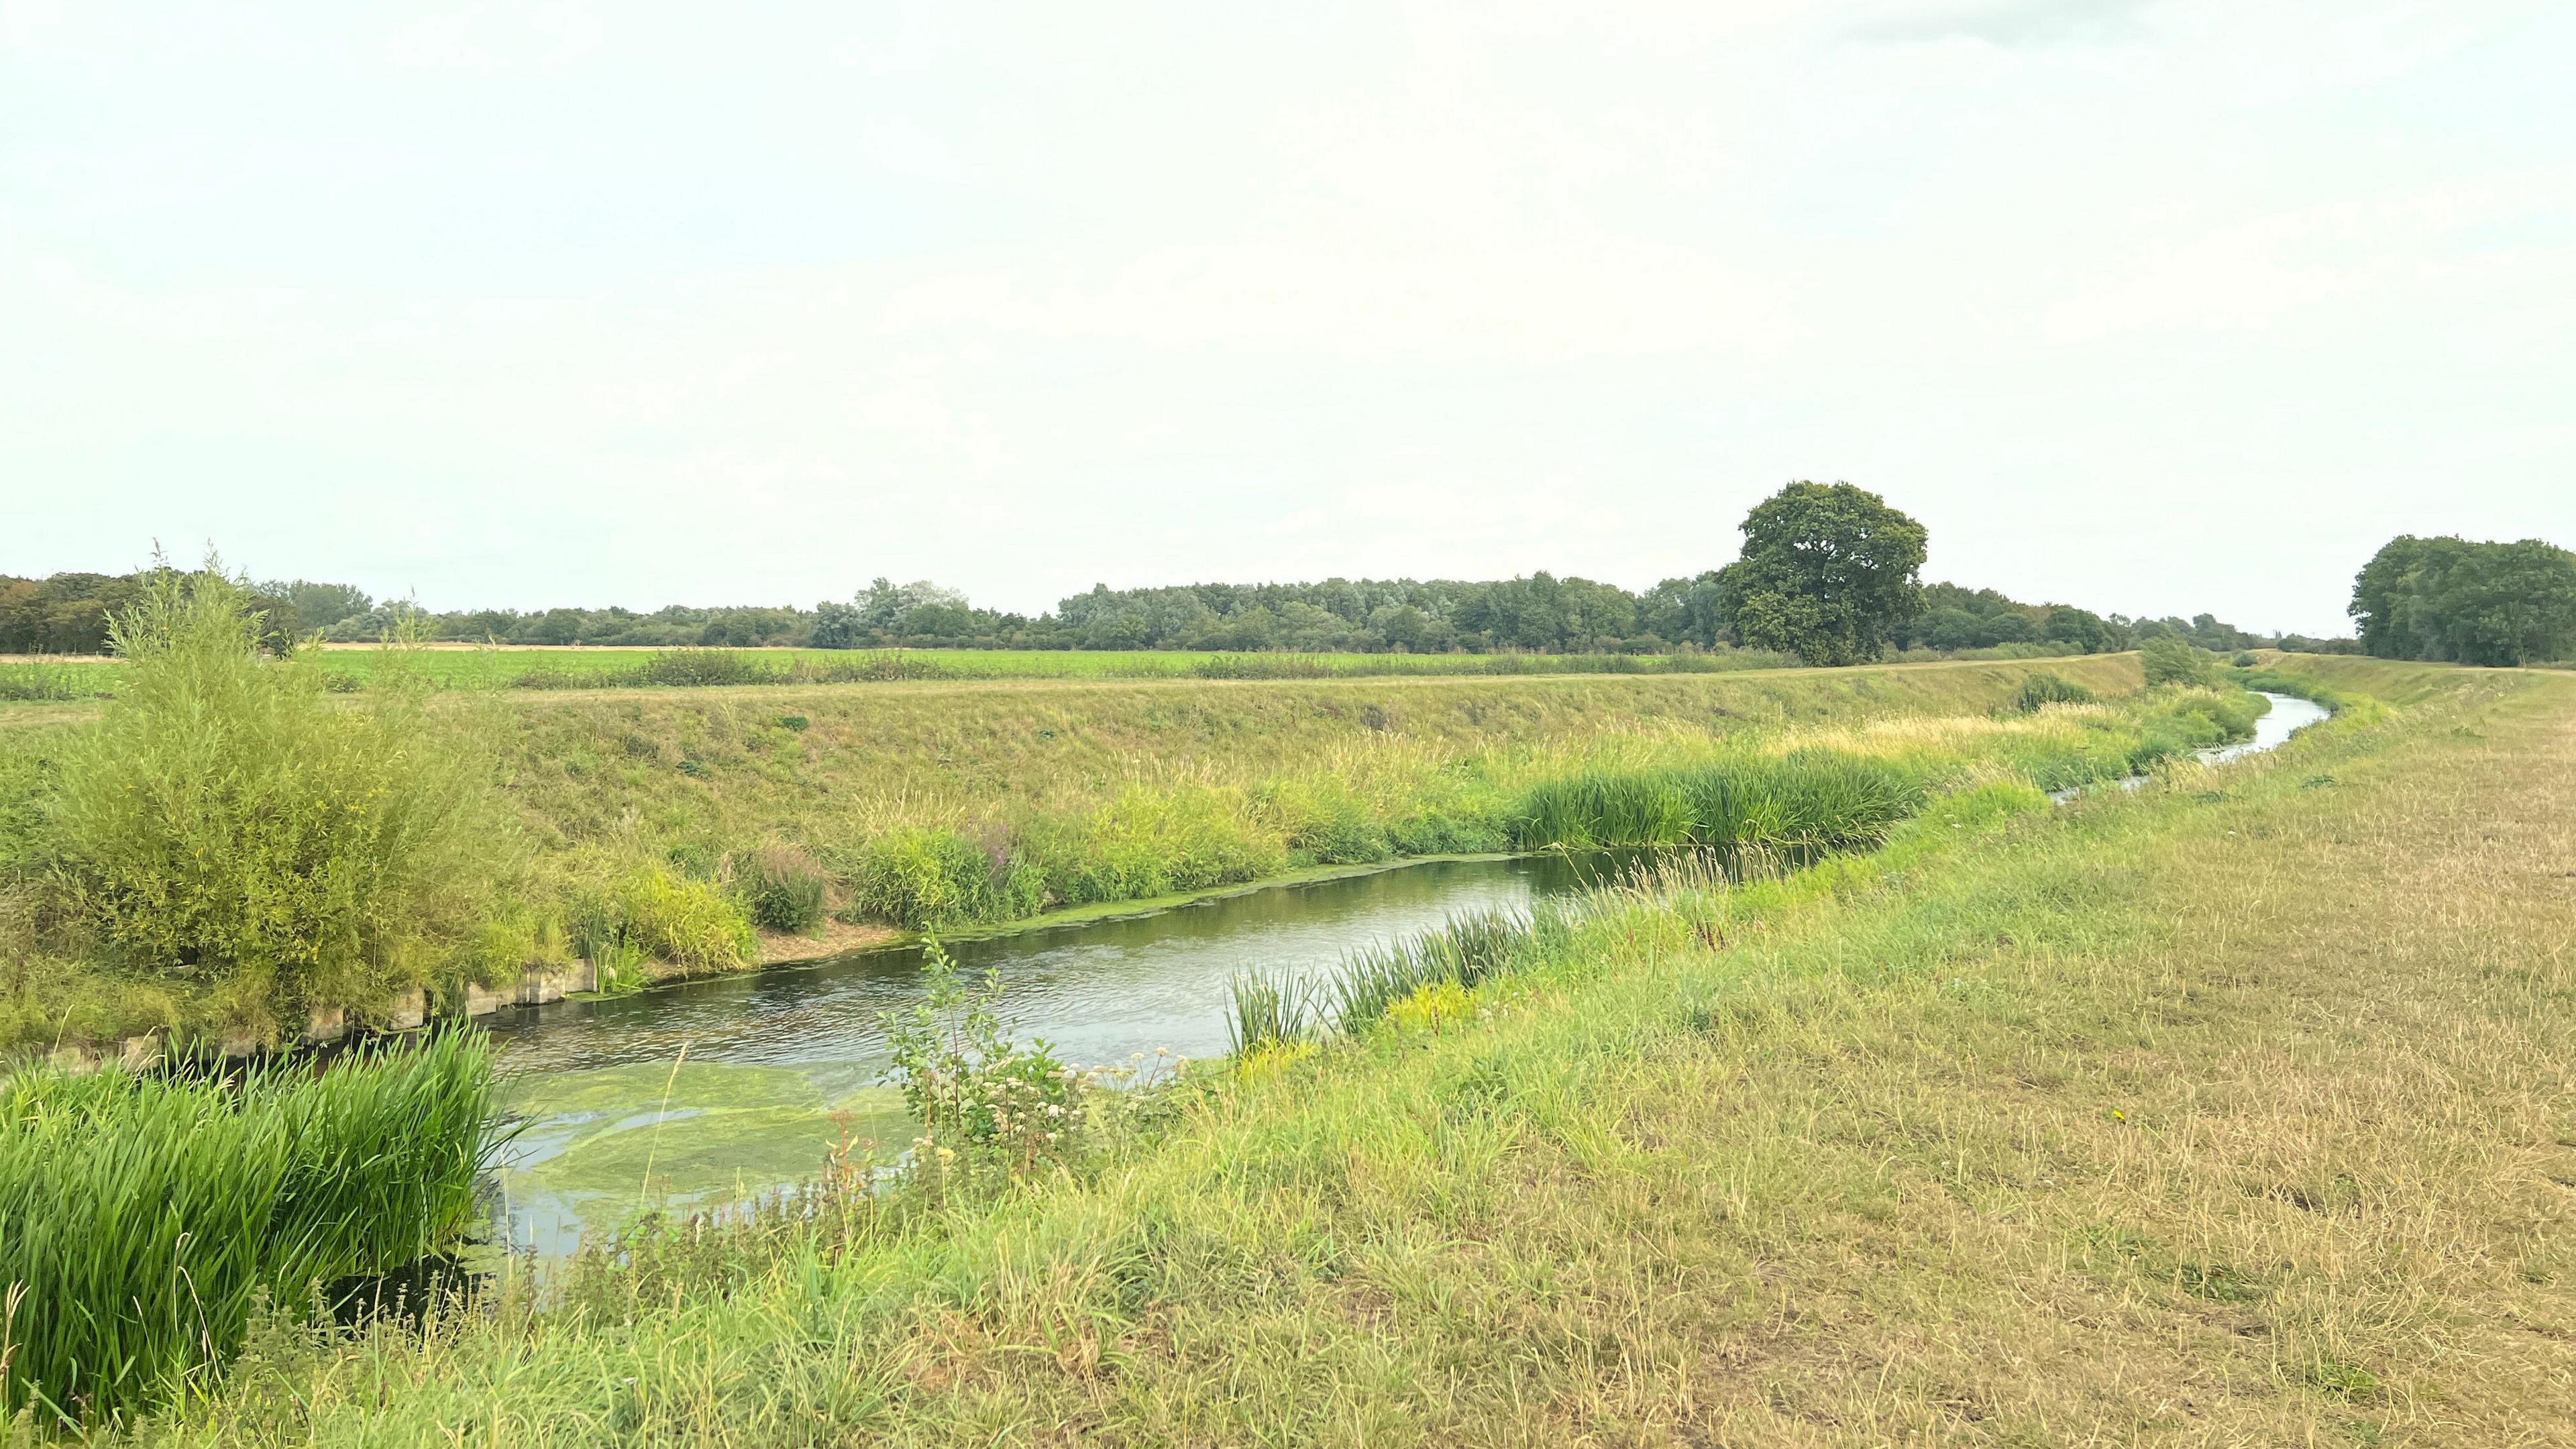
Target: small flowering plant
{"x": 985, "y": 1102}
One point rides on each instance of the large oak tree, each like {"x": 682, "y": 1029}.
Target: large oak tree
{"x": 1828, "y": 572}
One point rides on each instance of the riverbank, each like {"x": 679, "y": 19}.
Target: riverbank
{"x": 2230, "y": 1110}
{"x": 645, "y": 835}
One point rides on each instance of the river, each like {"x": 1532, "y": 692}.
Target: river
{"x": 725, "y": 1088}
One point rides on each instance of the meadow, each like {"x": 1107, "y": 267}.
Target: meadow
{"x": 2233, "y": 1109}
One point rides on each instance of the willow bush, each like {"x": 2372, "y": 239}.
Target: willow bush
{"x": 228, "y": 827}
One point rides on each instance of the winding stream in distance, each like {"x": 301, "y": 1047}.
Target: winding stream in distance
{"x": 732, "y": 1086}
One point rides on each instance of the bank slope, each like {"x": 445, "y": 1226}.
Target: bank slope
{"x": 2236, "y": 1111}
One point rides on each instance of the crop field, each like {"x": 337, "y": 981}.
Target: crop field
{"x": 466, "y": 667}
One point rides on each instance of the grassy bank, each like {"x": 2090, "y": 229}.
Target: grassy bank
{"x": 2231, "y": 1112}
{"x": 662, "y": 833}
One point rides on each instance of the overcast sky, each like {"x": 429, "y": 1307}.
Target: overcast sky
{"x": 2148, "y": 307}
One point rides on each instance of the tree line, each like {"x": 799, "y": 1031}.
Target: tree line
{"x": 2453, "y": 600}
{"x": 1828, "y": 572}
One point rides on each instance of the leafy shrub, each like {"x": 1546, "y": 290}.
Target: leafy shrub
{"x": 692, "y": 924}
{"x": 2172, "y": 660}
{"x": 225, "y": 825}
{"x": 783, "y": 890}
{"x": 987, "y": 1104}
{"x": 144, "y": 1218}
{"x": 923, "y": 877}
{"x": 2039, "y": 690}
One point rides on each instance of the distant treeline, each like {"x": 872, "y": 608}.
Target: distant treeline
{"x": 68, "y": 613}
{"x": 1541, "y": 613}
{"x": 2468, "y": 603}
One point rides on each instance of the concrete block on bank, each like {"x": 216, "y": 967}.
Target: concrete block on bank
{"x": 76, "y": 1061}
{"x": 239, "y": 1044}
{"x": 409, "y": 1011}
{"x": 541, "y": 984}
{"x": 141, "y": 1053}
{"x": 325, "y": 1024}
{"x": 481, "y": 1000}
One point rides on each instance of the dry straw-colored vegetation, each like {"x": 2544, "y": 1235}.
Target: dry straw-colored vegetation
{"x": 2235, "y": 1111}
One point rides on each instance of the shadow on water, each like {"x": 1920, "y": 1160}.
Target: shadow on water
{"x": 406, "y": 1295}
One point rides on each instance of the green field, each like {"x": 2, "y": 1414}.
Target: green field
{"x": 529, "y": 668}
{"x": 40, "y": 680}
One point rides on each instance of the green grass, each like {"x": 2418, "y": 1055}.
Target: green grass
{"x": 2231, "y": 1112}
{"x": 661, "y": 821}
{"x": 145, "y": 1218}
{"x": 556, "y": 669}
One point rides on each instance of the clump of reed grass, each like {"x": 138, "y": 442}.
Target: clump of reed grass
{"x": 143, "y": 1219}
{"x": 1271, "y": 1011}
{"x": 1465, "y": 951}
{"x": 2041, "y": 690}
{"x": 927, "y": 877}
{"x": 783, "y": 890}
{"x": 1814, "y": 799}
{"x": 690, "y": 923}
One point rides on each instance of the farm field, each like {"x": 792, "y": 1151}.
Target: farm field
{"x": 455, "y": 666}
{"x": 2238, "y": 1106}
{"x": 38, "y": 679}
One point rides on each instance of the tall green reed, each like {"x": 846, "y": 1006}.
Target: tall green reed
{"x": 144, "y": 1218}
{"x": 1814, "y": 799}
{"x": 1467, "y": 950}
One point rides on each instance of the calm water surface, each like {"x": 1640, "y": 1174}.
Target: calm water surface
{"x": 729, "y": 1087}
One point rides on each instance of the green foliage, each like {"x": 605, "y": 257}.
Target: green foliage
{"x": 1148, "y": 843}
{"x": 922, "y": 876}
{"x": 39, "y": 679}
{"x": 987, "y": 1105}
{"x": 2046, "y": 689}
{"x": 2169, "y": 660}
{"x": 225, "y": 825}
{"x": 690, "y": 923}
{"x": 143, "y": 1219}
{"x": 783, "y": 890}
{"x": 1462, "y": 953}
{"x": 1827, "y": 573}
{"x": 1813, "y": 799}
{"x": 2468, "y": 603}
{"x": 2244, "y": 659}
{"x": 1270, "y": 1010}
